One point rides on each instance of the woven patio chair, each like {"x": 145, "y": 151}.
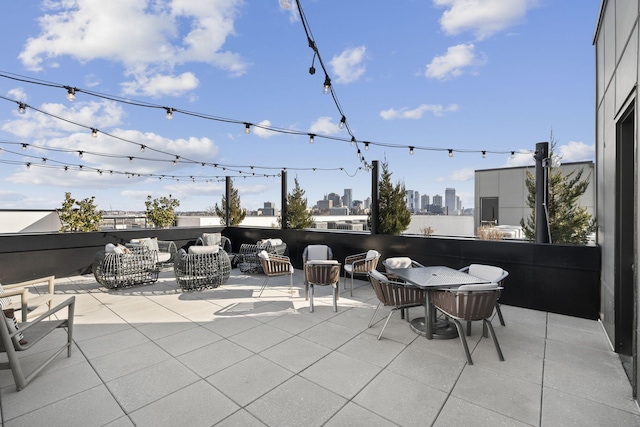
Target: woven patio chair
{"x": 25, "y": 335}
{"x": 248, "y": 261}
{"x": 118, "y": 267}
{"x": 360, "y": 264}
{"x": 165, "y": 249}
{"x": 275, "y": 265}
{"x": 394, "y": 294}
{"x": 210, "y": 239}
{"x": 469, "y": 303}
{"x": 202, "y": 267}
{"x": 323, "y": 273}
{"x": 492, "y": 274}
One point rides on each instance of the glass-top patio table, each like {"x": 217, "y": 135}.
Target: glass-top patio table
{"x": 434, "y": 278}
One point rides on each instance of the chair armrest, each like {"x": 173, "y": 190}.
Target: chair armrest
{"x": 353, "y": 258}
{"x": 49, "y": 279}
{"x": 167, "y": 246}
{"x": 69, "y": 302}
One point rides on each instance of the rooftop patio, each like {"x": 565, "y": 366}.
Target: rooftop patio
{"x": 153, "y": 355}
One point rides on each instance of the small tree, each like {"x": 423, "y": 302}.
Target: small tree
{"x": 568, "y": 221}
{"x": 160, "y": 212}
{"x": 394, "y": 216}
{"x": 298, "y": 216}
{"x": 83, "y": 217}
{"x": 236, "y": 213}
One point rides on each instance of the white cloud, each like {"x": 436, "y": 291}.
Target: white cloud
{"x": 348, "y": 67}
{"x": 143, "y": 35}
{"x": 483, "y": 18}
{"x": 576, "y": 151}
{"x": 466, "y": 174}
{"x": 18, "y": 94}
{"x": 158, "y": 85}
{"x": 416, "y": 113}
{"x": 324, "y": 126}
{"x": 454, "y": 62}
{"x": 520, "y": 158}
{"x": 261, "y": 132}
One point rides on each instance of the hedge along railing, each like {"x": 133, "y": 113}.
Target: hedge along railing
{"x": 561, "y": 279}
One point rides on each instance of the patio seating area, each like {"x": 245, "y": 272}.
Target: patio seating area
{"x": 155, "y": 355}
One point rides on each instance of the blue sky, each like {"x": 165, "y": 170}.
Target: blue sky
{"x": 467, "y": 75}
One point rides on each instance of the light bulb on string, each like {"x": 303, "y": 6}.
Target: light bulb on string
{"x": 22, "y": 108}
{"x": 28, "y": 165}
{"x": 311, "y": 138}
{"x": 94, "y": 132}
{"x": 175, "y": 161}
{"x": 71, "y": 93}
{"x": 513, "y": 154}
{"x": 327, "y": 85}
{"x": 343, "y": 120}
{"x": 24, "y": 147}
{"x": 247, "y": 128}
{"x": 450, "y": 153}
{"x": 130, "y": 159}
{"x": 411, "y": 150}
{"x": 353, "y": 141}
{"x": 142, "y": 147}
{"x": 80, "y": 154}
{"x": 484, "y": 154}
{"x": 44, "y": 160}
{"x": 366, "y": 146}
{"x": 169, "y": 113}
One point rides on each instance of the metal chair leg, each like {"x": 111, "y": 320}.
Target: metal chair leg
{"x": 499, "y": 313}
{"x": 311, "y": 297}
{"x": 374, "y": 315}
{"x": 264, "y": 285}
{"x": 495, "y": 340}
{"x": 463, "y": 340}
{"x": 336, "y": 291}
{"x": 385, "y": 324}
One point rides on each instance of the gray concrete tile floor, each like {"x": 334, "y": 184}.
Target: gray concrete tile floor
{"x": 156, "y": 356}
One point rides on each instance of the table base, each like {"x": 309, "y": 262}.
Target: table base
{"x": 442, "y": 329}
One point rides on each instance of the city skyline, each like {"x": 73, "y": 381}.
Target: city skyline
{"x": 451, "y": 87}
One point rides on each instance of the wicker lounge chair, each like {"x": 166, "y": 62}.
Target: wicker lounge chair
{"x": 210, "y": 239}
{"x": 117, "y": 267}
{"x": 165, "y": 249}
{"x": 202, "y": 267}
{"x": 249, "y": 262}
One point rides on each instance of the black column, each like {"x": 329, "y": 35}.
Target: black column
{"x": 283, "y": 196}
{"x": 374, "y": 196}
{"x": 542, "y": 192}
{"x": 227, "y": 209}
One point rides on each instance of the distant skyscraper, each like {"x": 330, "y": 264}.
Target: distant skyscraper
{"x": 437, "y": 200}
{"x": 424, "y": 202}
{"x": 335, "y": 198}
{"x": 458, "y": 204}
{"x": 410, "y": 199}
{"x": 450, "y": 201}
{"x": 347, "y": 198}
{"x": 367, "y": 203}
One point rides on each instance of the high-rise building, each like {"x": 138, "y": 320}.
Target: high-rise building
{"x": 412, "y": 198}
{"x": 450, "y": 201}
{"x": 367, "y": 203}
{"x": 347, "y": 198}
{"x": 437, "y": 200}
{"x": 269, "y": 209}
{"x": 425, "y": 200}
{"x": 335, "y": 198}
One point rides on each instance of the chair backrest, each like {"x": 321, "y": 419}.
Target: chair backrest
{"x": 323, "y": 273}
{"x": 319, "y": 252}
{"x": 393, "y": 294}
{"x": 397, "y": 262}
{"x": 471, "y": 304}
{"x": 488, "y": 272}
{"x": 210, "y": 239}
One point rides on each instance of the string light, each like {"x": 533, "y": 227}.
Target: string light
{"x": 327, "y": 84}
{"x": 311, "y": 138}
{"x": 513, "y": 154}
{"x": 353, "y": 141}
{"x": 343, "y": 120}
{"x": 484, "y": 154}
{"x": 142, "y": 147}
{"x": 44, "y": 160}
{"x": 450, "y": 152}
{"x": 411, "y": 150}
{"x": 80, "y": 153}
{"x": 366, "y": 145}
{"x": 22, "y": 108}
{"x": 130, "y": 159}
{"x": 28, "y": 165}
{"x": 71, "y": 93}
{"x": 175, "y": 161}
{"x": 169, "y": 112}
{"x": 24, "y": 147}
{"x": 94, "y": 132}
{"x": 247, "y": 128}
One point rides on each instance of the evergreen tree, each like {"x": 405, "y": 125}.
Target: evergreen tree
{"x": 236, "y": 213}
{"x": 568, "y": 221}
{"x": 160, "y": 212}
{"x": 298, "y": 217}
{"x": 83, "y": 217}
{"x": 393, "y": 214}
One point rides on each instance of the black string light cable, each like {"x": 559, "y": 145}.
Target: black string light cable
{"x": 247, "y": 124}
